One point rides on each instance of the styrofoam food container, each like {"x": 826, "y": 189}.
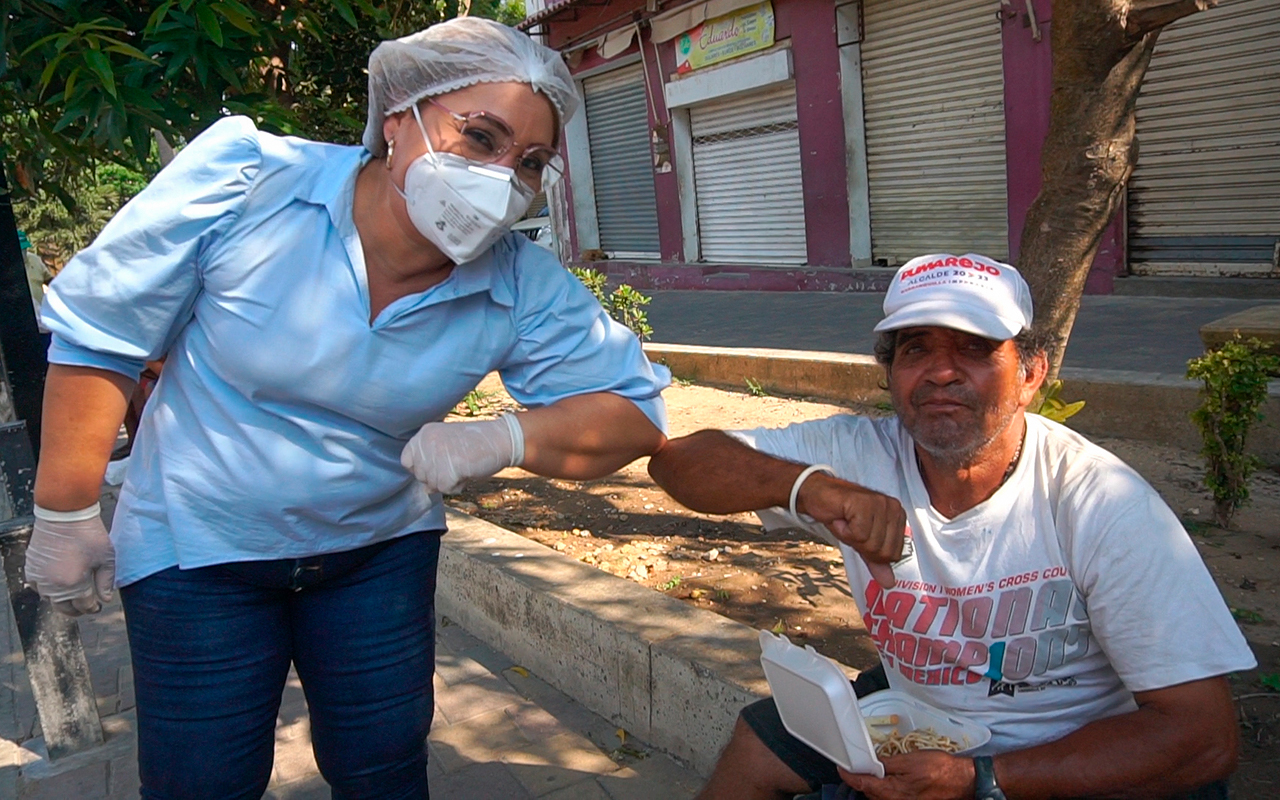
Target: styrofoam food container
{"x": 818, "y": 706}
{"x": 914, "y": 714}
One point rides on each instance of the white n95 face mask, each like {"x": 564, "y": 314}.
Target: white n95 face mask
{"x": 461, "y": 206}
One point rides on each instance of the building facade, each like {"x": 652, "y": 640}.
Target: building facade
{"x": 806, "y": 144}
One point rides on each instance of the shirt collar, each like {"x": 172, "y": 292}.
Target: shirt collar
{"x": 333, "y": 186}
{"x": 487, "y": 273}
{"x": 484, "y": 274}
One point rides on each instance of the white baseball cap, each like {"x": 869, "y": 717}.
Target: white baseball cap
{"x": 970, "y": 293}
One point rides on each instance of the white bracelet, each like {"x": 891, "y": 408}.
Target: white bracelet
{"x": 83, "y": 514}
{"x": 800, "y": 479}
{"x": 517, "y": 439}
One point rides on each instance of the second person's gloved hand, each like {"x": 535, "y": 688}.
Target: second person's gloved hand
{"x": 71, "y": 561}
{"x": 445, "y": 455}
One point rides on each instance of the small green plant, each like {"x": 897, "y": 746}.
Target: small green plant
{"x": 1247, "y": 616}
{"x": 1234, "y": 385}
{"x": 669, "y": 585}
{"x": 722, "y": 594}
{"x": 755, "y": 388}
{"x": 1050, "y": 406}
{"x": 474, "y": 403}
{"x": 624, "y": 304}
{"x": 1271, "y": 680}
{"x": 593, "y": 279}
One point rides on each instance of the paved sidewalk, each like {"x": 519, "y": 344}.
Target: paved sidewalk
{"x": 500, "y": 733}
{"x": 1143, "y": 334}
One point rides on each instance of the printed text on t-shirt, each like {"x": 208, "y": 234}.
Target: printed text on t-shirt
{"x": 1018, "y": 627}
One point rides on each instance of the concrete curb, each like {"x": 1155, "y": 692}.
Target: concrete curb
{"x": 673, "y": 675}
{"x": 1149, "y": 406}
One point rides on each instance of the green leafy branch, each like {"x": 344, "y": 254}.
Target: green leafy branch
{"x": 82, "y": 83}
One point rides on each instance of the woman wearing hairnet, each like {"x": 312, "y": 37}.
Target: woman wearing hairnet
{"x": 322, "y": 308}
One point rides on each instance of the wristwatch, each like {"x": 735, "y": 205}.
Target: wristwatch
{"x": 984, "y": 775}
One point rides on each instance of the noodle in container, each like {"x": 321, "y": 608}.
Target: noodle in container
{"x": 818, "y": 707}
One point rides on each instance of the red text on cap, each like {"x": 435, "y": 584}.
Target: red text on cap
{"x": 966, "y": 263}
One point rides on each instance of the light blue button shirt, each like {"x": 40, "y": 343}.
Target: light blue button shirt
{"x": 276, "y": 427}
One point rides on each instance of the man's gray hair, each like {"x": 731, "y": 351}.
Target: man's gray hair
{"x": 1030, "y": 343}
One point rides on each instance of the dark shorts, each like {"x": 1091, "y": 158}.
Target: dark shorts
{"x": 820, "y": 772}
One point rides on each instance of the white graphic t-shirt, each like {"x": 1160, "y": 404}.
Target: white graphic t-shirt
{"x": 1043, "y": 608}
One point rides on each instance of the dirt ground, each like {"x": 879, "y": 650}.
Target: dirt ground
{"x": 785, "y": 581}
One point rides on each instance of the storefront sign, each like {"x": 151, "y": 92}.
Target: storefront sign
{"x": 716, "y": 40}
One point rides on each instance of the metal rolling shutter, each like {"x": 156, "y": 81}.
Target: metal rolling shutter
{"x": 933, "y": 97}
{"x": 1205, "y": 194}
{"x": 621, "y": 162}
{"x": 746, "y": 166}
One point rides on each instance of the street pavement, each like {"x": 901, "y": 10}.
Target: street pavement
{"x": 1143, "y": 334}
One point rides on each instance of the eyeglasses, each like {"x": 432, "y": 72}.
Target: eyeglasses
{"x": 486, "y": 138}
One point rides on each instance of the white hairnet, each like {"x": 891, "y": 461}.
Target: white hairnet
{"x": 455, "y": 54}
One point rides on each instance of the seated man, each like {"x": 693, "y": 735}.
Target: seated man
{"x": 1041, "y": 586}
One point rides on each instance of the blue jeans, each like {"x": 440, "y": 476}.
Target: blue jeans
{"x": 211, "y": 651}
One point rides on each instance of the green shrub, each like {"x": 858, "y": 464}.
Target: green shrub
{"x": 1234, "y": 381}
{"x": 624, "y": 304}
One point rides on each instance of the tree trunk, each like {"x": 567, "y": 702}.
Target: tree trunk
{"x": 1101, "y": 49}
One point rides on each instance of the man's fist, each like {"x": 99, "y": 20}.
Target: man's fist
{"x": 873, "y": 524}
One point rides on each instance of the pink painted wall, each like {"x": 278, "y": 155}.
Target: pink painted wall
{"x": 811, "y": 24}
{"x": 743, "y": 277}
{"x": 1028, "y": 85}
{"x": 661, "y": 60}
{"x": 658, "y": 60}
{"x": 590, "y": 60}
{"x": 666, "y": 192}
{"x": 572, "y": 250}
{"x": 592, "y": 21}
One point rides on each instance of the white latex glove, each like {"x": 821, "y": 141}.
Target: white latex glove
{"x": 71, "y": 561}
{"x": 445, "y": 455}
